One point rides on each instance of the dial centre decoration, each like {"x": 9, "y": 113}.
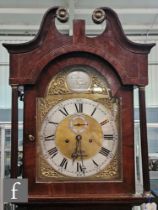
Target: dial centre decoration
{"x": 84, "y": 135}
{"x": 78, "y": 123}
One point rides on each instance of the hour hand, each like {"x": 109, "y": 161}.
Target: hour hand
{"x": 76, "y": 153}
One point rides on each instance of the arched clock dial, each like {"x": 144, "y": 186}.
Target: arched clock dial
{"x": 79, "y": 137}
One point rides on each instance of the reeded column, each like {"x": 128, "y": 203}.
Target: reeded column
{"x": 144, "y": 142}
{"x": 14, "y": 132}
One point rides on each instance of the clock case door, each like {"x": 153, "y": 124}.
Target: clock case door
{"x": 78, "y": 190}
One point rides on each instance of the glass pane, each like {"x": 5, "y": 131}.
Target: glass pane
{"x": 153, "y": 150}
{"x": 153, "y": 141}
{"x": 138, "y": 159}
{"x": 7, "y": 153}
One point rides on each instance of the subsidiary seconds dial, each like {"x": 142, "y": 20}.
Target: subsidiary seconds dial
{"x": 78, "y": 137}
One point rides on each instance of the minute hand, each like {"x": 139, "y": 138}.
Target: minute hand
{"x": 76, "y": 153}
{"x": 81, "y": 156}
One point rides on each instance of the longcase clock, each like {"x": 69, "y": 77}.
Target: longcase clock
{"x": 79, "y": 115}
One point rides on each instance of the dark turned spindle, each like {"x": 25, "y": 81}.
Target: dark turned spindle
{"x": 14, "y": 132}
{"x": 144, "y": 143}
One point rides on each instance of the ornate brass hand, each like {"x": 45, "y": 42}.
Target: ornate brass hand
{"x": 76, "y": 153}
{"x": 81, "y": 156}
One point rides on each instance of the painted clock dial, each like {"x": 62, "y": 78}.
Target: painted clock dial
{"x": 78, "y": 137}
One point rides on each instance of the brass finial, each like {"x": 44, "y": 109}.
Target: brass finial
{"x": 62, "y": 14}
{"x": 98, "y": 15}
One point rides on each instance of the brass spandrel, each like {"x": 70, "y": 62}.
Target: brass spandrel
{"x": 58, "y": 85}
{"x": 111, "y": 172}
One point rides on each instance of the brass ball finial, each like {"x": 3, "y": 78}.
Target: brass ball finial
{"x": 62, "y": 14}
{"x": 98, "y": 15}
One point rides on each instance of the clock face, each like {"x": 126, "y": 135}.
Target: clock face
{"x": 78, "y": 137}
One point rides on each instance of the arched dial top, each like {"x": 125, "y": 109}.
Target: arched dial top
{"x": 78, "y": 137}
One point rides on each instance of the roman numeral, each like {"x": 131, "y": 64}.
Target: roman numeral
{"x": 104, "y": 122}
{"x": 80, "y": 168}
{"x": 64, "y": 163}
{"x": 64, "y": 111}
{"x": 79, "y": 107}
{"x": 104, "y": 151}
{"x": 96, "y": 164}
{"x": 49, "y": 138}
{"x": 93, "y": 111}
{"x": 53, "y": 152}
{"x": 108, "y": 137}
